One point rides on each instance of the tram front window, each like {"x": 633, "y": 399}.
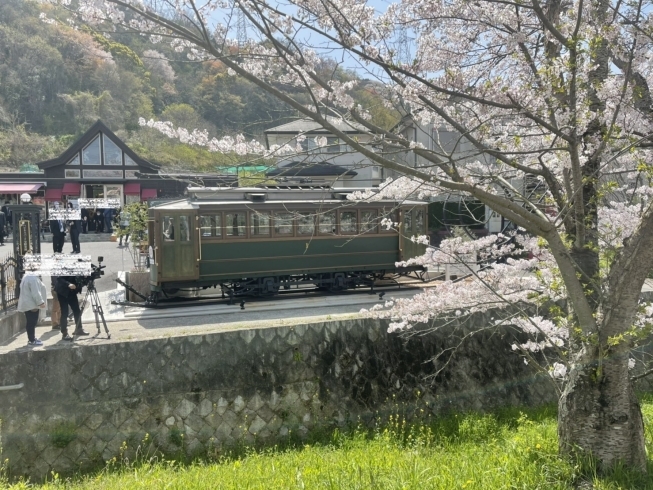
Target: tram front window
{"x": 168, "y": 229}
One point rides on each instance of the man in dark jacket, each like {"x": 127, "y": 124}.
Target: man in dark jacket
{"x": 58, "y": 229}
{"x": 99, "y": 221}
{"x": 3, "y": 227}
{"x": 5, "y": 209}
{"x": 84, "y": 213}
{"x": 74, "y": 227}
{"x": 67, "y": 290}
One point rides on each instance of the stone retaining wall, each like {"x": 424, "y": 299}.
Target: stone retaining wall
{"x": 11, "y": 323}
{"x": 191, "y": 394}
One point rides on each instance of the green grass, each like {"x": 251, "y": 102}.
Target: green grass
{"x": 507, "y": 450}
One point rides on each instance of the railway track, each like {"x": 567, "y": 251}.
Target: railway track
{"x": 379, "y": 289}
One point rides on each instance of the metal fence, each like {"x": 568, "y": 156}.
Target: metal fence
{"x": 9, "y": 287}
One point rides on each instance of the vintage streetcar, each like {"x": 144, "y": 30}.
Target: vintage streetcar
{"x": 258, "y": 241}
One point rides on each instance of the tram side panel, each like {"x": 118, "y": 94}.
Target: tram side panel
{"x": 234, "y": 260}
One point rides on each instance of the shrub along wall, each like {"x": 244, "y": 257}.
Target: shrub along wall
{"x": 192, "y": 394}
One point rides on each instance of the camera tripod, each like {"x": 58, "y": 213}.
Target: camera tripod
{"x": 91, "y": 293}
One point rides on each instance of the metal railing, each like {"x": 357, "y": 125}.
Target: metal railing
{"x": 9, "y": 287}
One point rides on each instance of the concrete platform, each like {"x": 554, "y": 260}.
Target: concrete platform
{"x": 141, "y": 324}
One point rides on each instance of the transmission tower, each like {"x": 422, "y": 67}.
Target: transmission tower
{"x": 403, "y": 45}
{"x": 241, "y": 28}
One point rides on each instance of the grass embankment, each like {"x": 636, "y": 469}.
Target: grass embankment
{"x": 509, "y": 449}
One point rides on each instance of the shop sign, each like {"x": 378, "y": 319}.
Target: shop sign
{"x": 103, "y": 174}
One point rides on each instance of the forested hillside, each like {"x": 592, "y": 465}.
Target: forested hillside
{"x": 55, "y": 81}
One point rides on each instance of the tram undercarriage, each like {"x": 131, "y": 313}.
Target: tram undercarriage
{"x": 271, "y": 286}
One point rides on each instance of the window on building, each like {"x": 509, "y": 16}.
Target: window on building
{"x": 128, "y": 160}
{"x": 74, "y": 160}
{"x": 309, "y": 144}
{"x": 112, "y": 154}
{"x": 333, "y": 145}
{"x": 91, "y": 154}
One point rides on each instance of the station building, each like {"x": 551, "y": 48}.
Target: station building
{"x": 99, "y": 165}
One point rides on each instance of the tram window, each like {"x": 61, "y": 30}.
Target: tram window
{"x": 419, "y": 221}
{"x": 206, "y": 225}
{"x": 235, "y": 224}
{"x": 184, "y": 230}
{"x": 368, "y": 221}
{"x": 385, "y": 216}
{"x": 217, "y": 230}
{"x": 168, "y": 229}
{"x": 328, "y": 223}
{"x": 348, "y": 222}
{"x": 260, "y": 224}
{"x": 283, "y": 223}
{"x": 408, "y": 222}
{"x": 305, "y": 224}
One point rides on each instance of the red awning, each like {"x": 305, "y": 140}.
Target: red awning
{"x": 132, "y": 189}
{"x": 19, "y": 188}
{"x": 53, "y": 194}
{"x": 148, "y": 193}
{"x": 72, "y": 189}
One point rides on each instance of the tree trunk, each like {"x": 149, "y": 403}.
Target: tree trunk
{"x": 599, "y": 415}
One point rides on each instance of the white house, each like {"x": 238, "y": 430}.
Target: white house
{"x": 342, "y": 166}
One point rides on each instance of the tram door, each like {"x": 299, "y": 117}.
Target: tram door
{"x": 178, "y": 246}
{"x": 413, "y": 224}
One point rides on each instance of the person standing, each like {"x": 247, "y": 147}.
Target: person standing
{"x": 84, "y": 213}
{"x": 124, "y": 218}
{"x": 99, "y": 221}
{"x": 5, "y": 209}
{"x": 31, "y": 300}
{"x": 108, "y": 217}
{"x": 74, "y": 226}
{"x": 67, "y": 291}
{"x": 3, "y": 227}
{"x": 58, "y": 229}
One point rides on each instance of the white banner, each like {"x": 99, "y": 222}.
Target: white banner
{"x": 65, "y": 214}
{"x": 57, "y": 265}
{"x": 99, "y": 203}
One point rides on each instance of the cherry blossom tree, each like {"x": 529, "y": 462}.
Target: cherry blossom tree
{"x": 537, "y": 89}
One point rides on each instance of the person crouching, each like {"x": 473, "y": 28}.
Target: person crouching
{"x": 31, "y": 300}
{"x": 67, "y": 290}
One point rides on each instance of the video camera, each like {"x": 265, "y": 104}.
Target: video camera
{"x": 96, "y": 272}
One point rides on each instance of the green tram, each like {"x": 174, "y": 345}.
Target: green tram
{"x": 256, "y": 241}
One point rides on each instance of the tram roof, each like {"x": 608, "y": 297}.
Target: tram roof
{"x": 269, "y": 196}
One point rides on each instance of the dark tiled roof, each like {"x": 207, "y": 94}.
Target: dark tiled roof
{"x": 311, "y": 169}
{"x": 85, "y": 139}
